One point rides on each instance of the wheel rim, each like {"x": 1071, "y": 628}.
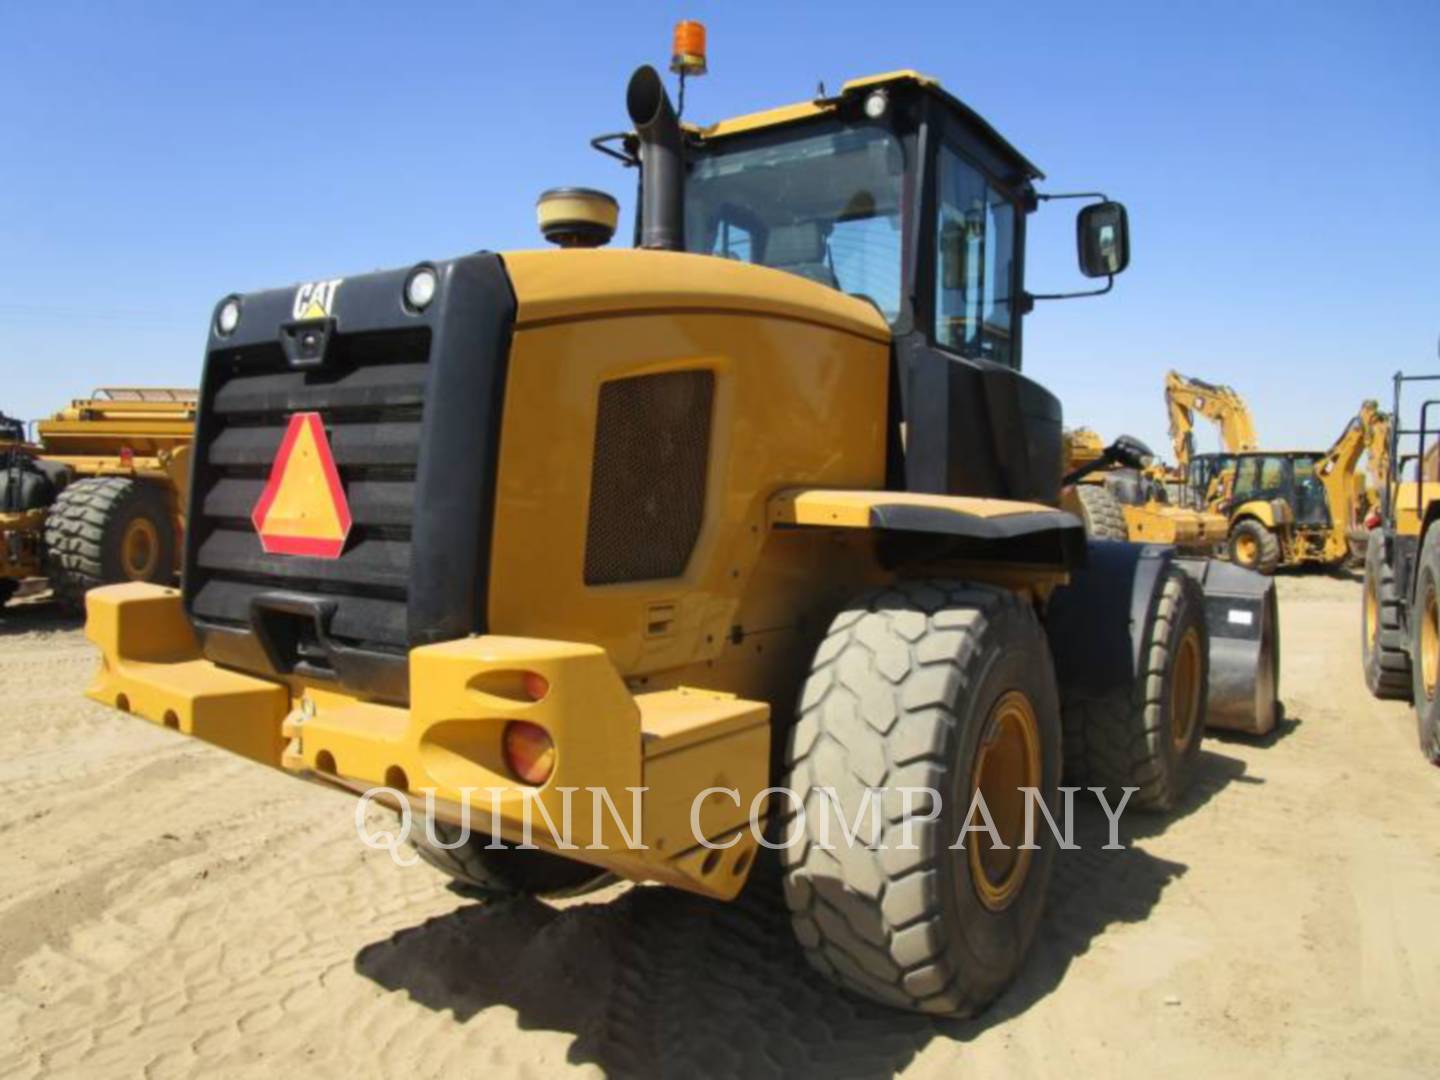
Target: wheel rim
{"x": 1430, "y": 642}
{"x": 1247, "y": 551}
{"x": 1007, "y": 761}
{"x": 1185, "y": 690}
{"x": 139, "y": 550}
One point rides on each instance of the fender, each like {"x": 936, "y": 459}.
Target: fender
{"x": 1098, "y": 622}
{"x": 1003, "y": 529}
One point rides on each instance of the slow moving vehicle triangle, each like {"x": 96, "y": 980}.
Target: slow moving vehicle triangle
{"x": 303, "y": 509}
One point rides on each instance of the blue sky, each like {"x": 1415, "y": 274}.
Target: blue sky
{"x": 1280, "y": 162}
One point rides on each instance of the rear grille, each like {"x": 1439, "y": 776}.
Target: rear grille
{"x": 370, "y": 398}
{"x": 647, "y": 482}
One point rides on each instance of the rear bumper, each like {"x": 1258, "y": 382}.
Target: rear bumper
{"x": 671, "y": 745}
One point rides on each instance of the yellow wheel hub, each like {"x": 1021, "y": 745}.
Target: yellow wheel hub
{"x": 140, "y": 550}
{"x": 1185, "y": 690}
{"x": 1247, "y": 550}
{"x": 1430, "y": 643}
{"x": 1008, "y": 761}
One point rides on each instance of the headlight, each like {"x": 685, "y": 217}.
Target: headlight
{"x": 228, "y": 317}
{"x": 876, "y": 104}
{"x": 420, "y": 288}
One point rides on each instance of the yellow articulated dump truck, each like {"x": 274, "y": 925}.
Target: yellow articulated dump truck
{"x": 123, "y": 458}
{"x": 764, "y": 502}
{"x": 1118, "y": 493}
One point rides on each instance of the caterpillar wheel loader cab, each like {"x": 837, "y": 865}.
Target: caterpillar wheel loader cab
{"x": 1400, "y": 610}
{"x": 1119, "y": 493}
{"x": 122, "y": 459}
{"x": 673, "y": 525}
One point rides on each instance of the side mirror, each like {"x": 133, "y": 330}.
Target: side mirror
{"x": 1102, "y": 234}
{"x": 1130, "y": 452}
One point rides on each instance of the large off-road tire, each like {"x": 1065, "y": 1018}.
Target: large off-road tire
{"x": 1425, "y": 645}
{"x": 923, "y": 685}
{"x": 498, "y": 873}
{"x": 1100, "y": 513}
{"x": 1384, "y": 652}
{"x": 1254, "y": 547}
{"x": 108, "y": 529}
{"x": 1147, "y": 735}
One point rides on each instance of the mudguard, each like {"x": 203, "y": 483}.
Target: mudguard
{"x": 1099, "y": 620}
{"x": 1243, "y": 618}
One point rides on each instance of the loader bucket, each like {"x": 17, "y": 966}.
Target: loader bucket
{"x": 1242, "y": 616}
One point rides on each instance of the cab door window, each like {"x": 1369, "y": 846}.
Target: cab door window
{"x": 975, "y": 271}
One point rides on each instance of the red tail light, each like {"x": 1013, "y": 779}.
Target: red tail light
{"x": 529, "y": 752}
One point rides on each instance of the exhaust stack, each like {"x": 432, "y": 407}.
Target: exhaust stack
{"x": 662, "y": 164}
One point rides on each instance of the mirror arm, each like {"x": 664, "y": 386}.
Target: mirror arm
{"x": 1030, "y": 297}
{"x": 1097, "y": 196}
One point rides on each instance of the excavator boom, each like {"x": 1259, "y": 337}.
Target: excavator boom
{"x": 1185, "y": 397}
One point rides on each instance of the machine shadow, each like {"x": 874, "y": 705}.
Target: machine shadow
{"x": 659, "y": 983}
{"x": 38, "y": 614}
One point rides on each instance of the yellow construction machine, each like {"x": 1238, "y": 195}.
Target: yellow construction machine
{"x": 1201, "y": 475}
{"x": 765, "y": 502}
{"x": 121, "y": 459}
{"x": 1119, "y": 493}
{"x": 1284, "y": 508}
{"x": 1400, "y": 611}
{"x": 27, "y": 487}
{"x": 1299, "y": 507}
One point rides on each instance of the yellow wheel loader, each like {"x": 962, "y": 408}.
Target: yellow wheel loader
{"x": 1119, "y": 493}
{"x": 765, "y": 502}
{"x": 1400, "y": 610}
{"x": 120, "y": 459}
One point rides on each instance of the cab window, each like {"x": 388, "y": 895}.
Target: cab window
{"x": 975, "y": 256}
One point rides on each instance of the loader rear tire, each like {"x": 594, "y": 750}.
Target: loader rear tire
{"x": 942, "y": 689}
{"x": 1147, "y": 736}
{"x": 108, "y": 529}
{"x": 1254, "y": 547}
{"x": 502, "y": 873}
{"x": 1100, "y": 513}
{"x": 1383, "y": 649}
{"x": 1425, "y": 646}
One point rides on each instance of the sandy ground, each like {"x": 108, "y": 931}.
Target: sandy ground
{"x": 166, "y": 909}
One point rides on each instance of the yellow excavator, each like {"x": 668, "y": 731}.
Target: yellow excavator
{"x": 1200, "y": 473}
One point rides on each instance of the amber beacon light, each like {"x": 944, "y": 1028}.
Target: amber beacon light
{"x": 688, "y": 55}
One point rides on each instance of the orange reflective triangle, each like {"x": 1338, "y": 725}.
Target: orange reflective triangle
{"x": 303, "y": 509}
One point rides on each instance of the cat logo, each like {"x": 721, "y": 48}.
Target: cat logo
{"x": 316, "y": 299}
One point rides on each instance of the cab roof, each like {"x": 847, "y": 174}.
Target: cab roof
{"x": 805, "y": 110}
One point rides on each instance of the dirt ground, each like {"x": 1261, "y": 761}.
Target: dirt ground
{"x": 168, "y": 909}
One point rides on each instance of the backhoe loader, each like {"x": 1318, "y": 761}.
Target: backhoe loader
{"x": 1400, "y": 610}
{"x": 766, "y": 501}
{"x": 1299, "y": 507}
